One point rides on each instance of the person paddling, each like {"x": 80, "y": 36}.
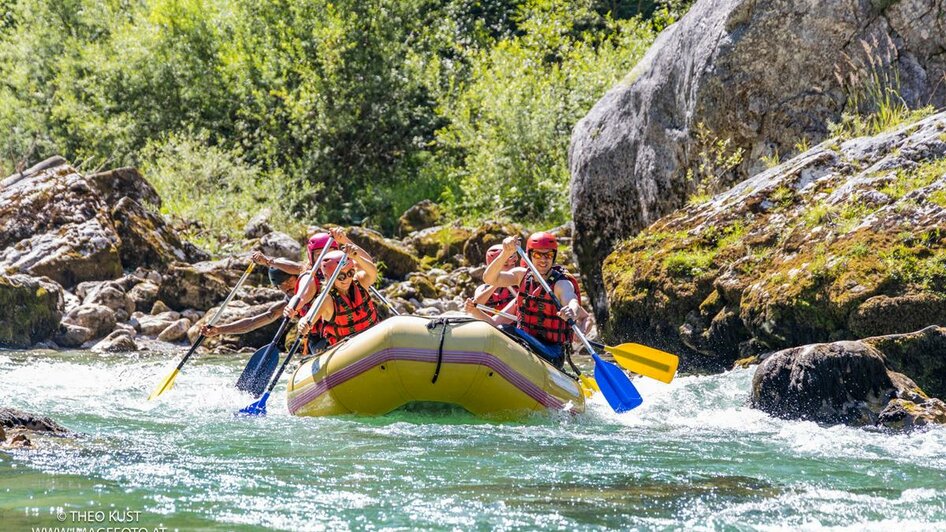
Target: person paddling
{"x": 281, "y": 275}
{"x": 497, "y": 298}
{"x": 283, "y": 281}
{"x": 538, "y": 321}
{"x": 349, "y": 309}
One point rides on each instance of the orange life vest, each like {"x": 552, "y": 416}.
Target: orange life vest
{"x": 501, "y": 297}
{"x": 536, "y": 309}
{"x": 354, "y": 312}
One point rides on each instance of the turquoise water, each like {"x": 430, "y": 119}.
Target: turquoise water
{"x": 694, "y": 457}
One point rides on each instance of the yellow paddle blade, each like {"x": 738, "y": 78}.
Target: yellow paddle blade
{"x": 646, "y": 361}
{"x": 165, "y": 384}
{"x": 588, "y": 385}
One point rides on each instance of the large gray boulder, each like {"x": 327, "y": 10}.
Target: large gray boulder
{"x": 766, "y": 74}
{"x": 147, "y": 240}
{"x": 113, "y": 185}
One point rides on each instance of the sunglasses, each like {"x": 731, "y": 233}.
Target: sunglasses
{"x": 543, "y": 254}
{"x": 350, "y": 274}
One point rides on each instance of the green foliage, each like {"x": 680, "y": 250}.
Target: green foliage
{"x": 772, "y": 160}
{"x": 909, "y": 179}
{"x": 357, "y": 109}
{"x": 939, "y": 197}
{"x": 211, "y": 193}
{"x": 783, "y": 197}
{"x": 818, "y": 215}
{"x": 875, "y": 104}
{"x": 512, "y": 120}
{"x": 716, "y": 161}
{"x": 689, "y": 262}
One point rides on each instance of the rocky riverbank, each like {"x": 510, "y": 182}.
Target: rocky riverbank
{"x": 89, "y": 263}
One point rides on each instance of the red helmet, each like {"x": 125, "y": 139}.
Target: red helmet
{"x": 493, "y": 252}
{"x": 542, "y": 240}
{"x": 317, "y": 242}
{"x": 330, "y": 263}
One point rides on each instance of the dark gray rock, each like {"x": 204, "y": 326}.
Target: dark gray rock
{"x": 113, "y": 185}
{"x": 97, "y": 318}
{"x": 765, "y": 74}
{"x": 118, "y": 341}
{"x": 277, "y": 244}
{"x": 54, "y": 224}
{"x": 841, "y": 382}
{"x": 30, "y": 309}
{"x": 13, "y": 418}
{"x": 147, "y": 241}
{"x": 421, "y": 216}
{"x": 920, "y": 354}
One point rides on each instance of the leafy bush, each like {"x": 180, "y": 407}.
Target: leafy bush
{"x": 210, "y": 193}
{"x": 355, "y": 109}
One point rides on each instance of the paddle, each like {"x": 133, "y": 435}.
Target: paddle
{"x": 168, "y": 381}
{"x": 644, "y": 360}
{"x": 491, "y": 310}
{"x": 616, "y": 387}
{"x": 258, "y": 408}
{"x": 261, "y": 366}
{"x": 384, "y": 300}
{"x": 638, "y": 358}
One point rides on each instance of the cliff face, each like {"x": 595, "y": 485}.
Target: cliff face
{"x": 845, "y": 241}
{"x": 766, "y": 74}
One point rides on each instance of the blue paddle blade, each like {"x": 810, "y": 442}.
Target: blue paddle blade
{"x": 259, "y": 370}
{"x": 616, "y": 387}
{"x": 258, "y": 408}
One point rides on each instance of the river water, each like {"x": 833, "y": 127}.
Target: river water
{"x": 692, "y": 457}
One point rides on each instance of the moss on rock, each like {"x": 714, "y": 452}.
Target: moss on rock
{"x": 30, "y": 310}
{"x": 809, "y": 251}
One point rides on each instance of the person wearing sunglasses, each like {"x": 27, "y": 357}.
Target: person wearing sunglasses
{"x": 538, "y": 322}
{"x": 349, "y": 310}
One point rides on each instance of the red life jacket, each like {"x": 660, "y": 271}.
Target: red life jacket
{"x": 353, "y": 313}
{"x": 501, "y": 297}
{"x": 316, "y": 329}
{"x": 536, "y": 309}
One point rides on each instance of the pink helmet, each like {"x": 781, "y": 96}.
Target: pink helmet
{"x": 493, "y": 252}
{"x": 317, "y": 242}
{"x": 330, "y": 263}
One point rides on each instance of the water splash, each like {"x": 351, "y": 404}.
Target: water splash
{"x": 692, "y": 456}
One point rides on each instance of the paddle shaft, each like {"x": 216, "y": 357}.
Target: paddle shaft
{"x": 169, "y": 380}
{"x": 491, "y": 310}
{"x": 384, "y": 300}
{"x": 216, "y": 316}
{"x": 558, "y": 304}
{"x": 282, "y": 368}
{"x": 309, "y": 316}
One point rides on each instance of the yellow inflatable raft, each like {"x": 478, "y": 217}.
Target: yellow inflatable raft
{"x": 394, "y": 363}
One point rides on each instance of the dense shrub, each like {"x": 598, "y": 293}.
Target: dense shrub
{"x": 346, "y": 110}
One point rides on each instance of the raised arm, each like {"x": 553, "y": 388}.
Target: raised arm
{"x": 483, "y": 293}
{"x": 289, "y": 266}
{"x": 494, "y": 274}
